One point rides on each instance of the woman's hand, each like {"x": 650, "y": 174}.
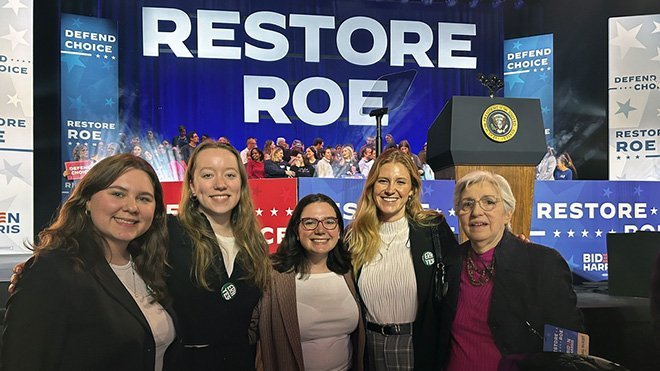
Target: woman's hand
{"x": 15, "y": 277}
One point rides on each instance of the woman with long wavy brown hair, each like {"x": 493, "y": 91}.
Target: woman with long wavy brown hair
{"x": 95, "y": 287}
{"x": 219, "y": 261}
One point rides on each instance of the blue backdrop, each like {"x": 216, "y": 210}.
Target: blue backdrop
{"x": 206, "y": 94}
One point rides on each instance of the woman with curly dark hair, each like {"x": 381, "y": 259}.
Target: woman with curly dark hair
{"x": 310, "y": 317}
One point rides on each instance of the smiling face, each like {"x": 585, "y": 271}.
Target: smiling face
{"x": 483, "y": 228}
{"x": 346, "y": 153}
{"x": 319, "y": 241}
{"x": 327, "y": 154}
{"x": 216, "y": 183}
{"x": 391, "y": 191}
{"x": 123, "y": 211}
{"x": 309, "y": 153}
{"x": 277, "y": 155}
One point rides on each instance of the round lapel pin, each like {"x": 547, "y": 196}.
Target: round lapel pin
{"x": 428, "y": 258}
{"x": 228, "y": 291}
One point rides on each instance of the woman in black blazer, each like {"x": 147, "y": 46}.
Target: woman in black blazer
{"x": 93, "y": 295}
{"x": 219, "y": 262}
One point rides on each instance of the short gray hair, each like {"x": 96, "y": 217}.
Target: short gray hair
{"x": 475, "y": 177}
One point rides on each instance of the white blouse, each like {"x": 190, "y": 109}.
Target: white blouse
{"x": 162, "y": 326}
{"x": 327, "y": 315}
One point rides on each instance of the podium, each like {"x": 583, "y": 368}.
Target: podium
{"x": 502, "y": 135}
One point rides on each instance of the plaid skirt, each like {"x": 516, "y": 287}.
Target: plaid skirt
{"x": 394, "y": 352}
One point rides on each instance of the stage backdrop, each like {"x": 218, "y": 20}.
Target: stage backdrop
{"x": 573, "y": 217}
{"x": 16, "y": 127}
{"x": 298, "y": 68}
{"x": 634, "y": 97}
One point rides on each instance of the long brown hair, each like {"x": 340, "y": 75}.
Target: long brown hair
{"x": 72, "y": 225}
{"x": 253, "y": 250}
{"x": 362, "y": 235}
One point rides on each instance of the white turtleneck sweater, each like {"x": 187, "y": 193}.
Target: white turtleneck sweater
{"x": 387, "y": 283}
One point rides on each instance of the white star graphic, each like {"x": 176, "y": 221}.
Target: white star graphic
{"x": 657, "y": 27}
{"x": 657, "y": 57}
{"x": 571, "y": 233}
{"x": 654, "y": 211}
{"x": 599, "y": 233}
{"x": 585, "y": 233}
{"x": 16, "y": 37}
{"x": 626, "y": 39}
{"x": 289, "y": 211}
{"x": 11, "y": 171}
{"x": 556, "y": 233}
{"x": 13, "y": 99}
{"x": 273, "y": 212}
{"x": 452, "y": 212}
{"x": 259, "y": 212}
{"x": 14, "y": 5}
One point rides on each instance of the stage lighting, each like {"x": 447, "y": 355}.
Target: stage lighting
{"x": 517, "y": 4}
{"x": 473, "y": 3}
{"x": 450, "y": 3}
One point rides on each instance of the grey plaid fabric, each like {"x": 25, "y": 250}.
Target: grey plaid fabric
{"x": 388, "y": 353}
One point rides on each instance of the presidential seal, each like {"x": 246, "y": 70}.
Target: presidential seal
{"x": 499, "y": 123}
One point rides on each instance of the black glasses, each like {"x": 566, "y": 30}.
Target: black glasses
{"x": 487, "y": 203}
{"x": 311, "y": 224}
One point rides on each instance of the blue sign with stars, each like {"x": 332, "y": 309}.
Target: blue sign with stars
{"x": 573, "y": 217}
{"x": 89, "y": 93}
{"x": 528, "y": 73}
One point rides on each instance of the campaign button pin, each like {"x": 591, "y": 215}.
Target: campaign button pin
{"x": 228, "y": 291}
{"x": 428, "y": 258}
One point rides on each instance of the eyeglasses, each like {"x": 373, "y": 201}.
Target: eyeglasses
{"x": 311, "y": 224}
{"x": 486, "y": 203}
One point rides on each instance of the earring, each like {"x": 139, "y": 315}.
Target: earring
{"x": 87, "y": 212}
{"x": 193, "y": 197}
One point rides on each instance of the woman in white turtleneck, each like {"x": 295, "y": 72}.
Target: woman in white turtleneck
{"x": 393, "y": 256}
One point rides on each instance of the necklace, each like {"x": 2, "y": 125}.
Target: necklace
{"x": 135, "y": 293}
{"x": 387, "y": 244}
{"x": 479, "y": 277}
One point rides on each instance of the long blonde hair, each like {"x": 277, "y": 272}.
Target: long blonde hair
{"x": 362, "y": 236}
{"x": 253, "y": 250}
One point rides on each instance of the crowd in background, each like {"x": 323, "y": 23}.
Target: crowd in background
{"x": 274, "y": 159}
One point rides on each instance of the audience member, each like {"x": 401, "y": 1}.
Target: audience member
{"x": 565, "y": 169}
{"x": 324, "y": 166}
{"x": 301, "y": 168}
{"x": 367, "y": 161}
{"x": 255, "y": 165}
{"x": 182, "y": 139}
{"x": 276, "y": 167}
{"x": 249, "y": 144}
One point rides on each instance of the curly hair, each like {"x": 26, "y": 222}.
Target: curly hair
{"x": 72, "y": 225}
{"x": 362, "y": 236}
{"x": 253, "y": 250}
{"x": 291, "y": 255}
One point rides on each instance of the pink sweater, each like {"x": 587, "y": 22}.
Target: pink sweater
{"x": 472, "y": 344}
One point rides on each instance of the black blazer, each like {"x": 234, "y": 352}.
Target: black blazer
{"x": 60, "y": 318}
{"x": 532, "y": 287}
{"x": 215, "y": 332}
{"x": 426, "y": 327}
